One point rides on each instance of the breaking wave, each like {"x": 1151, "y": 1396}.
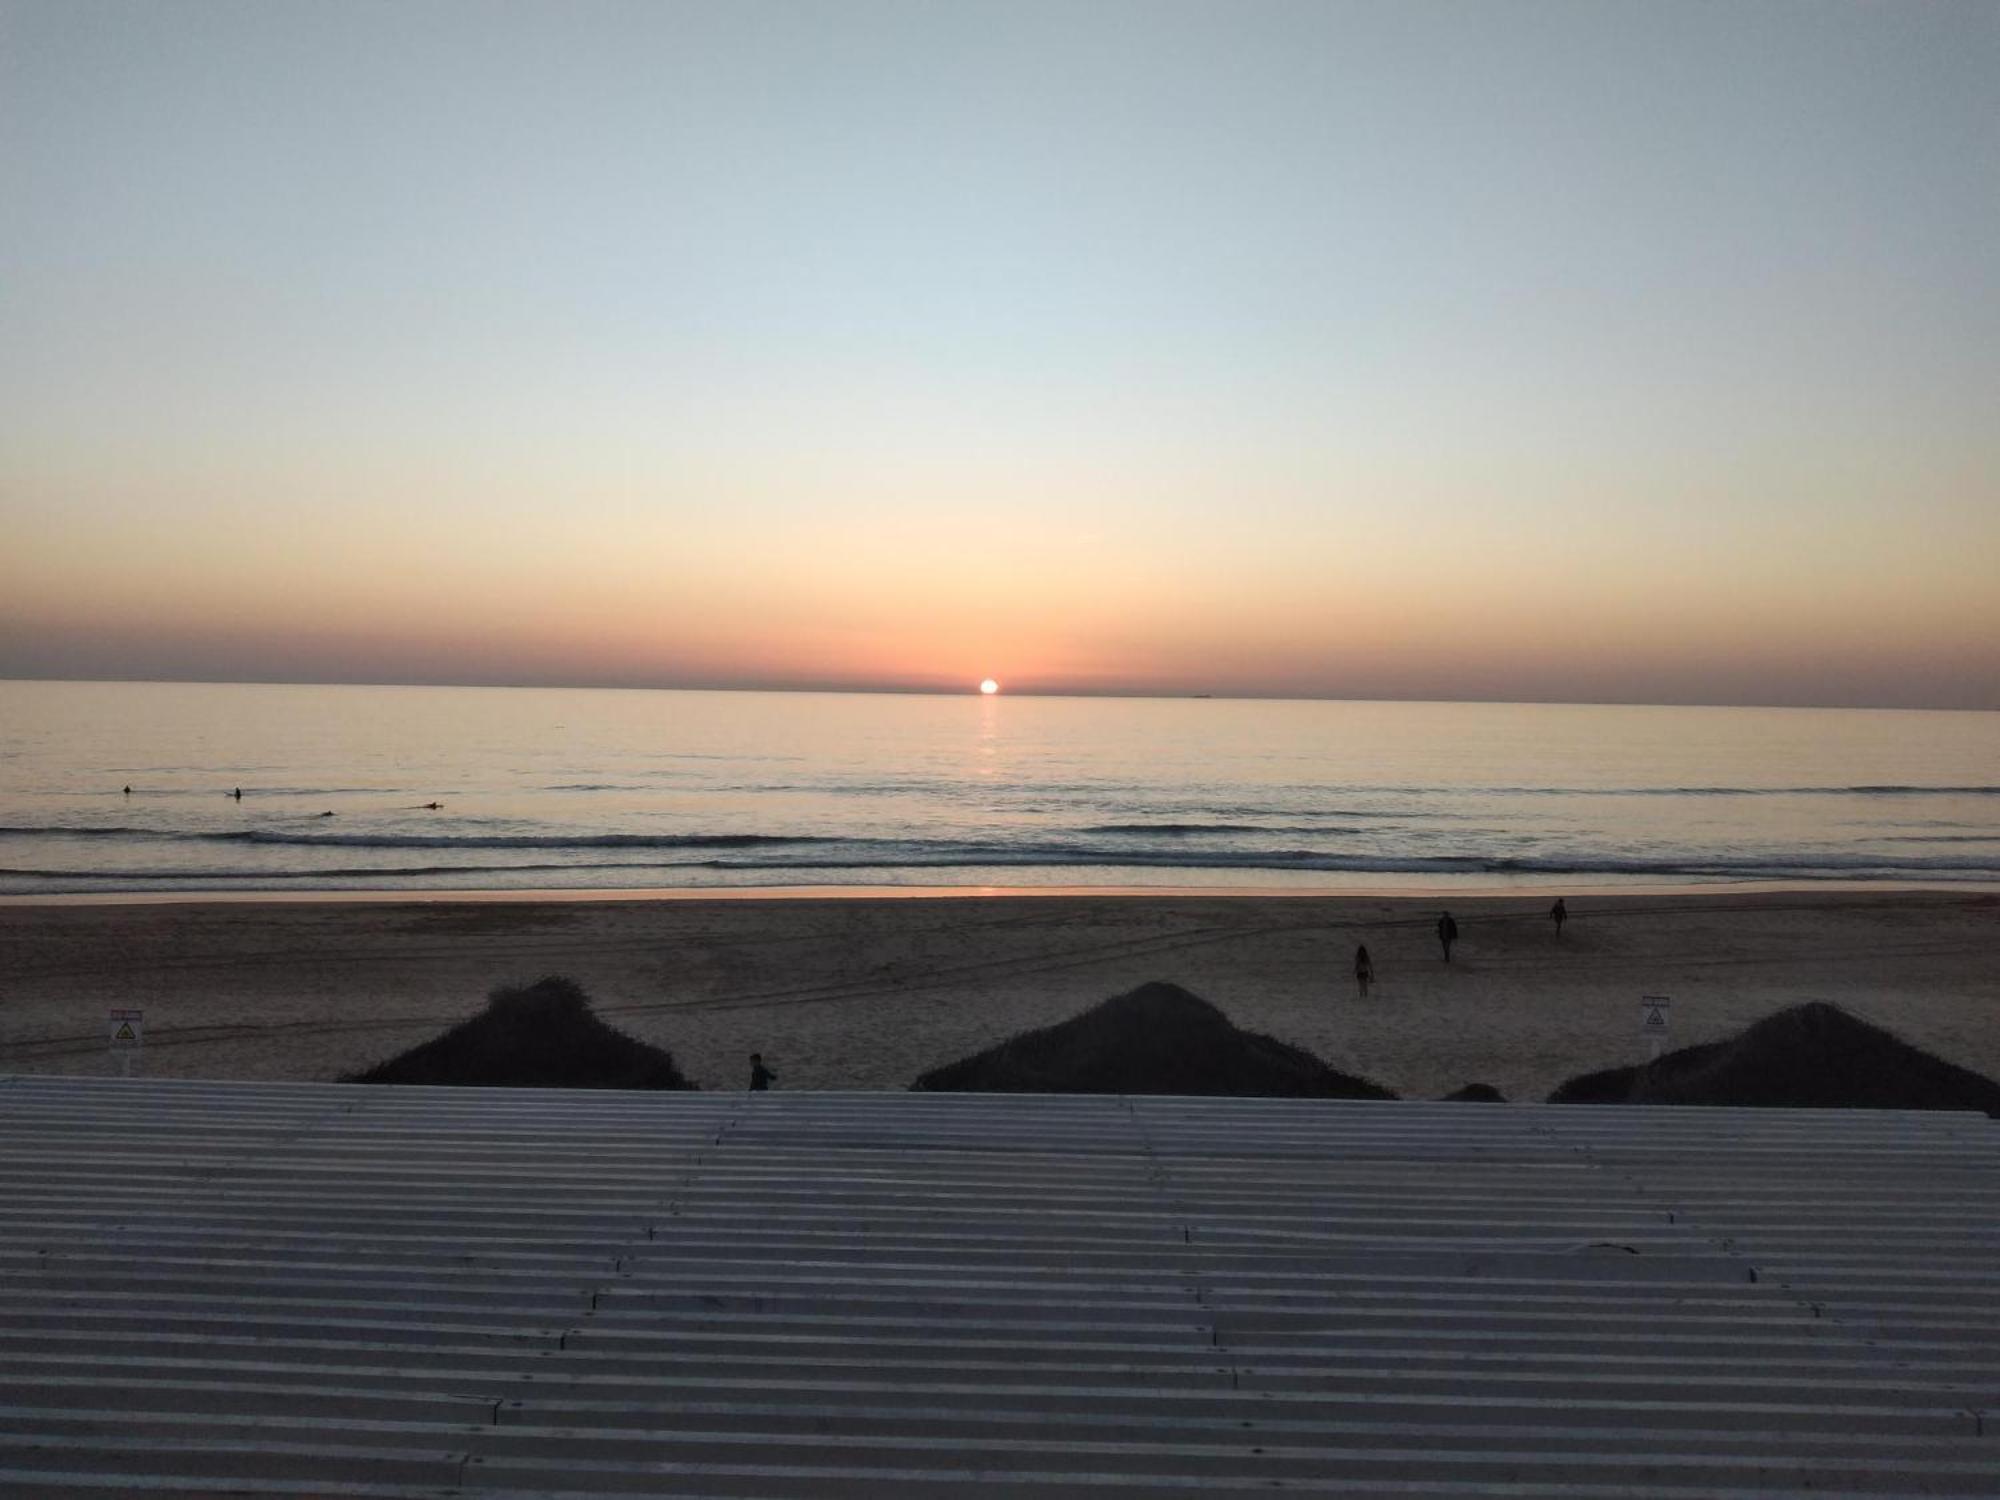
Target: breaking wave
{"x": 878, "y": 861}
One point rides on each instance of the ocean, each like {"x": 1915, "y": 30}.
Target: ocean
{"x": 599, "y": 789}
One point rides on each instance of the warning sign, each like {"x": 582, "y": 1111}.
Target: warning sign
{"x": 1653, "y": 1011}
{"x": 128, "y": 1028}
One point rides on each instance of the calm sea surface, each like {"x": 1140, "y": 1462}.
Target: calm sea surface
{"x": 583, "y": 789}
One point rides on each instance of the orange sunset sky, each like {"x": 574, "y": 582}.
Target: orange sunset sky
{"x": 1553, "y": 352}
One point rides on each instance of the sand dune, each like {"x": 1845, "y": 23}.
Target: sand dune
{"x": 860, "y": 993}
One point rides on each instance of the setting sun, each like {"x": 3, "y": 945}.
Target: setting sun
{"x": 989, "y": 686}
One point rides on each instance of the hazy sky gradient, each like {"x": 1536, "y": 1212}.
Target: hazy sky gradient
{"x": 1577, "y": 351}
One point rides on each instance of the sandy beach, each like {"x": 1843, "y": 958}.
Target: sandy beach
{"x": 867, "y": 993}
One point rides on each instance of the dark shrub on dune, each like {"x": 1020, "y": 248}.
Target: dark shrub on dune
{"x": 1158, "y": 1039}
{"x": 1475, "y": 1093}
{"x": 541, "y": 1037}
{"x": 1813, "y": 1056}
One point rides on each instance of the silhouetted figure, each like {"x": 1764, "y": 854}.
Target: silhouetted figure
{"x": 1559, "y": 914}
{"x": 327, "y": 814}
{"x": 1447, "y": 934}
{"x": 761, "y": 1077}
{"x": 128, "y": 791}
{"x": 237, "y": 794}
{"x": 1364, "y": 969}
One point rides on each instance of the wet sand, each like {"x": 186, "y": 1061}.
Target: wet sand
{"x": 867, "y": 993}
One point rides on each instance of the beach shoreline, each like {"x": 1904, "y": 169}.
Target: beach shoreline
{"x": 1549, "y": 887}
{"x": 851, "y": 992}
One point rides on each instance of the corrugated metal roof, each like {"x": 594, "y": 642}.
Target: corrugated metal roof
{"x": 212, "y": 1288}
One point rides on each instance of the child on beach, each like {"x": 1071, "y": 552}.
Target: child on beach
{"x": 1364, "y": 969}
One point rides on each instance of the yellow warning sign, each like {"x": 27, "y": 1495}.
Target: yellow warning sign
{"x": 1653, "y": 1013}
{"x": 128, "y": 1028}
{"x": 125, "y": 1033}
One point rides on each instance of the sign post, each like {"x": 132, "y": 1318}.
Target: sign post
{"x": 128, "y": 1037}
{"x": 1654, "y": 1022}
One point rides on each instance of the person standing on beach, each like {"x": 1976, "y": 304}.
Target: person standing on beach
{"x": 1447, "y": 934}
{"x": 1364, "y": 969}
{"x": 1559, "y": 914}
{"x": 761, "y": 1077}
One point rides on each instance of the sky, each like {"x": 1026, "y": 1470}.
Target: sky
{"x": 1587, "y": 352}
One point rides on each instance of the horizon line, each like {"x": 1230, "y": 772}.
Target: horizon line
{"x": 973, "y": 691}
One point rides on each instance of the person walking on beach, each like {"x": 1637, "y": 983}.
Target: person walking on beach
{"x": 1447, "y": 934}
{"x": 761, "y": 1077}
{"x": 1559, "y": 914}
{"x": 1364, "y": 969}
